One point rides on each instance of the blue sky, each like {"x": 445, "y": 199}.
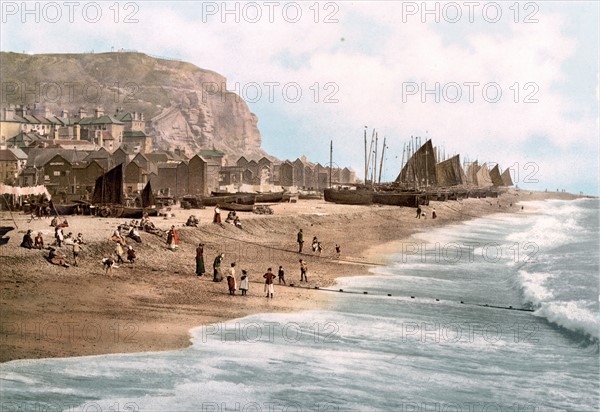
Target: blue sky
{"x": 357, "y": 64}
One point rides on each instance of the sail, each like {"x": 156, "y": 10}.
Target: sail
{"x": 483, "y": 176}
{"x": 109, "y": 187}
{"x": 495, "y": 176}
{"x": 147, "y": 196}
{"x": 506, "y": 179}
{"x": 420, "y": 168}
{"x": 450, "y": 173}
{"x": 471, "y": 174}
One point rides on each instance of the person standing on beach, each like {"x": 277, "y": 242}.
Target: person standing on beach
{"x": 338, "y": 250}
{"x": 119, "y": 252}
{"x": 76, "y": 251}
{"x": 244, "y": 283}
{"x": 173, "y": 238}
{"x": 433, "y": 214}
{"x": 300, "y": 240}
{"x": 58, "y": 234}
{"x": 217, "y": 276}
{"x": 217, "y": 217}
{"x": 200, "y": 260}
{"x": 231, "y": 282}
{"x": 281, "y": 275}
{"x": 131, "y": 256}
{"x": 303, "y": 271}
{"x": 419, "y": 211}
{"x": 269, "y": 288}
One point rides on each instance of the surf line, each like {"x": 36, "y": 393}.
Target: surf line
{"x": 353, "y": 292}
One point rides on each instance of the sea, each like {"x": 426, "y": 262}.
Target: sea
{"x": 494, "y": 314}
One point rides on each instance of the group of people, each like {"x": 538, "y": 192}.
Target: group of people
{"x": 420, "y": 213}
{"x": 232, "y": 217}
{"x": 316, "y": 246}
{"x": 55, "y": 256}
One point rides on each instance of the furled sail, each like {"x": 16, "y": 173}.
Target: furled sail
{"x": 147, "y": 196}
{"x": 109, "y": 187}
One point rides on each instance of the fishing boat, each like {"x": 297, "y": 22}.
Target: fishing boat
{"x": 109, "y": 199}
{"x": 237, "y": 207}
{"x": 5, "y": 229}
{"x": 349, "y": 197}
{"x": 407, "y": 199}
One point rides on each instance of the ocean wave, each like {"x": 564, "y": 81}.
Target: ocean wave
{"x": 571, "y": 316}
{"x": 532, "y": 287}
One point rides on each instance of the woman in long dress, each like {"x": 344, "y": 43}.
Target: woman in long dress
{"x": 200, "y": 260}
{"x": 217, "y": 217}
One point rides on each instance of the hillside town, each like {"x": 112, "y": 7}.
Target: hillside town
{"x": 67, "y": 152}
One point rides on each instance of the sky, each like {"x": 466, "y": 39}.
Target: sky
{"x": 513, "y": 83}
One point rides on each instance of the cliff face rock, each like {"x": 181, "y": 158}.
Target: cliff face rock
{"x": 184, "y": 106}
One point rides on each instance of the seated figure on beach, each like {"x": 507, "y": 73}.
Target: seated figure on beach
{"x": 135, "y": 235}
{"x": 54, "y": 221}
{"x": 65, "y": 223}
{"x": 79, "y": 239}
{"x": 230, "y": 217}
{"x": 192, "y": 221}
{"x": 56, "y": 258}
{"x": 237, "y": 222}
{"x": 116, "y": 237}
{"x": 27, "y": 240}
{"x": 39, "y": 241}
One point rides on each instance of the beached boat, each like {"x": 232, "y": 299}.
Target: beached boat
{"x": 407, "y": 199}
{"x": 349, "y": 197}
{"x": 236, "y": 207}
{"x": 266, "y": 197}
{"x": 4, "y": 240}
{"x": 235, "y": 198}
{"x": 5, "y": 229}
{"x": 309, "y": 196}
{"x": 108, "y": 197}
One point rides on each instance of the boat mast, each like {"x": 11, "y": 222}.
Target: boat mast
{"x": 381, "y": 164}
{"x": 330, "y": 160}
{"x": 366, "y": 155}
{"x": 375, "y": 162}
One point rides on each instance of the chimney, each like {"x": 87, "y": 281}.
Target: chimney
{"x": 64, "y": 113}
{"x": 99, "y": 112}
{"x": 99, "y": 138}
{"x": 77, "y": 132}
{"x": 142, "y": 117}
{"x": 82, "y": 113}
{"x": 47, "y": 113}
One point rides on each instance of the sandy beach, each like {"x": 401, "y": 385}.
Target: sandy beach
{"x": 51, "y": 311}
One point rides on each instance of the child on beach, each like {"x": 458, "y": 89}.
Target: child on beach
{"x": 244, "y": 283}
{"x": 131, "y": 256}
{"x": 303, "y": 271}
{"x": 281, "y": 275}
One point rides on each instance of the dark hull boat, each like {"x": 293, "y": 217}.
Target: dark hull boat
{"x": 4, "y": 240}
{"x": 397, "y": 199}
{"x": 218, "y": 200}
{"x": 349, "y": 197}
{"x": 5, "y": 229}
{"x": 237, "y": 207}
